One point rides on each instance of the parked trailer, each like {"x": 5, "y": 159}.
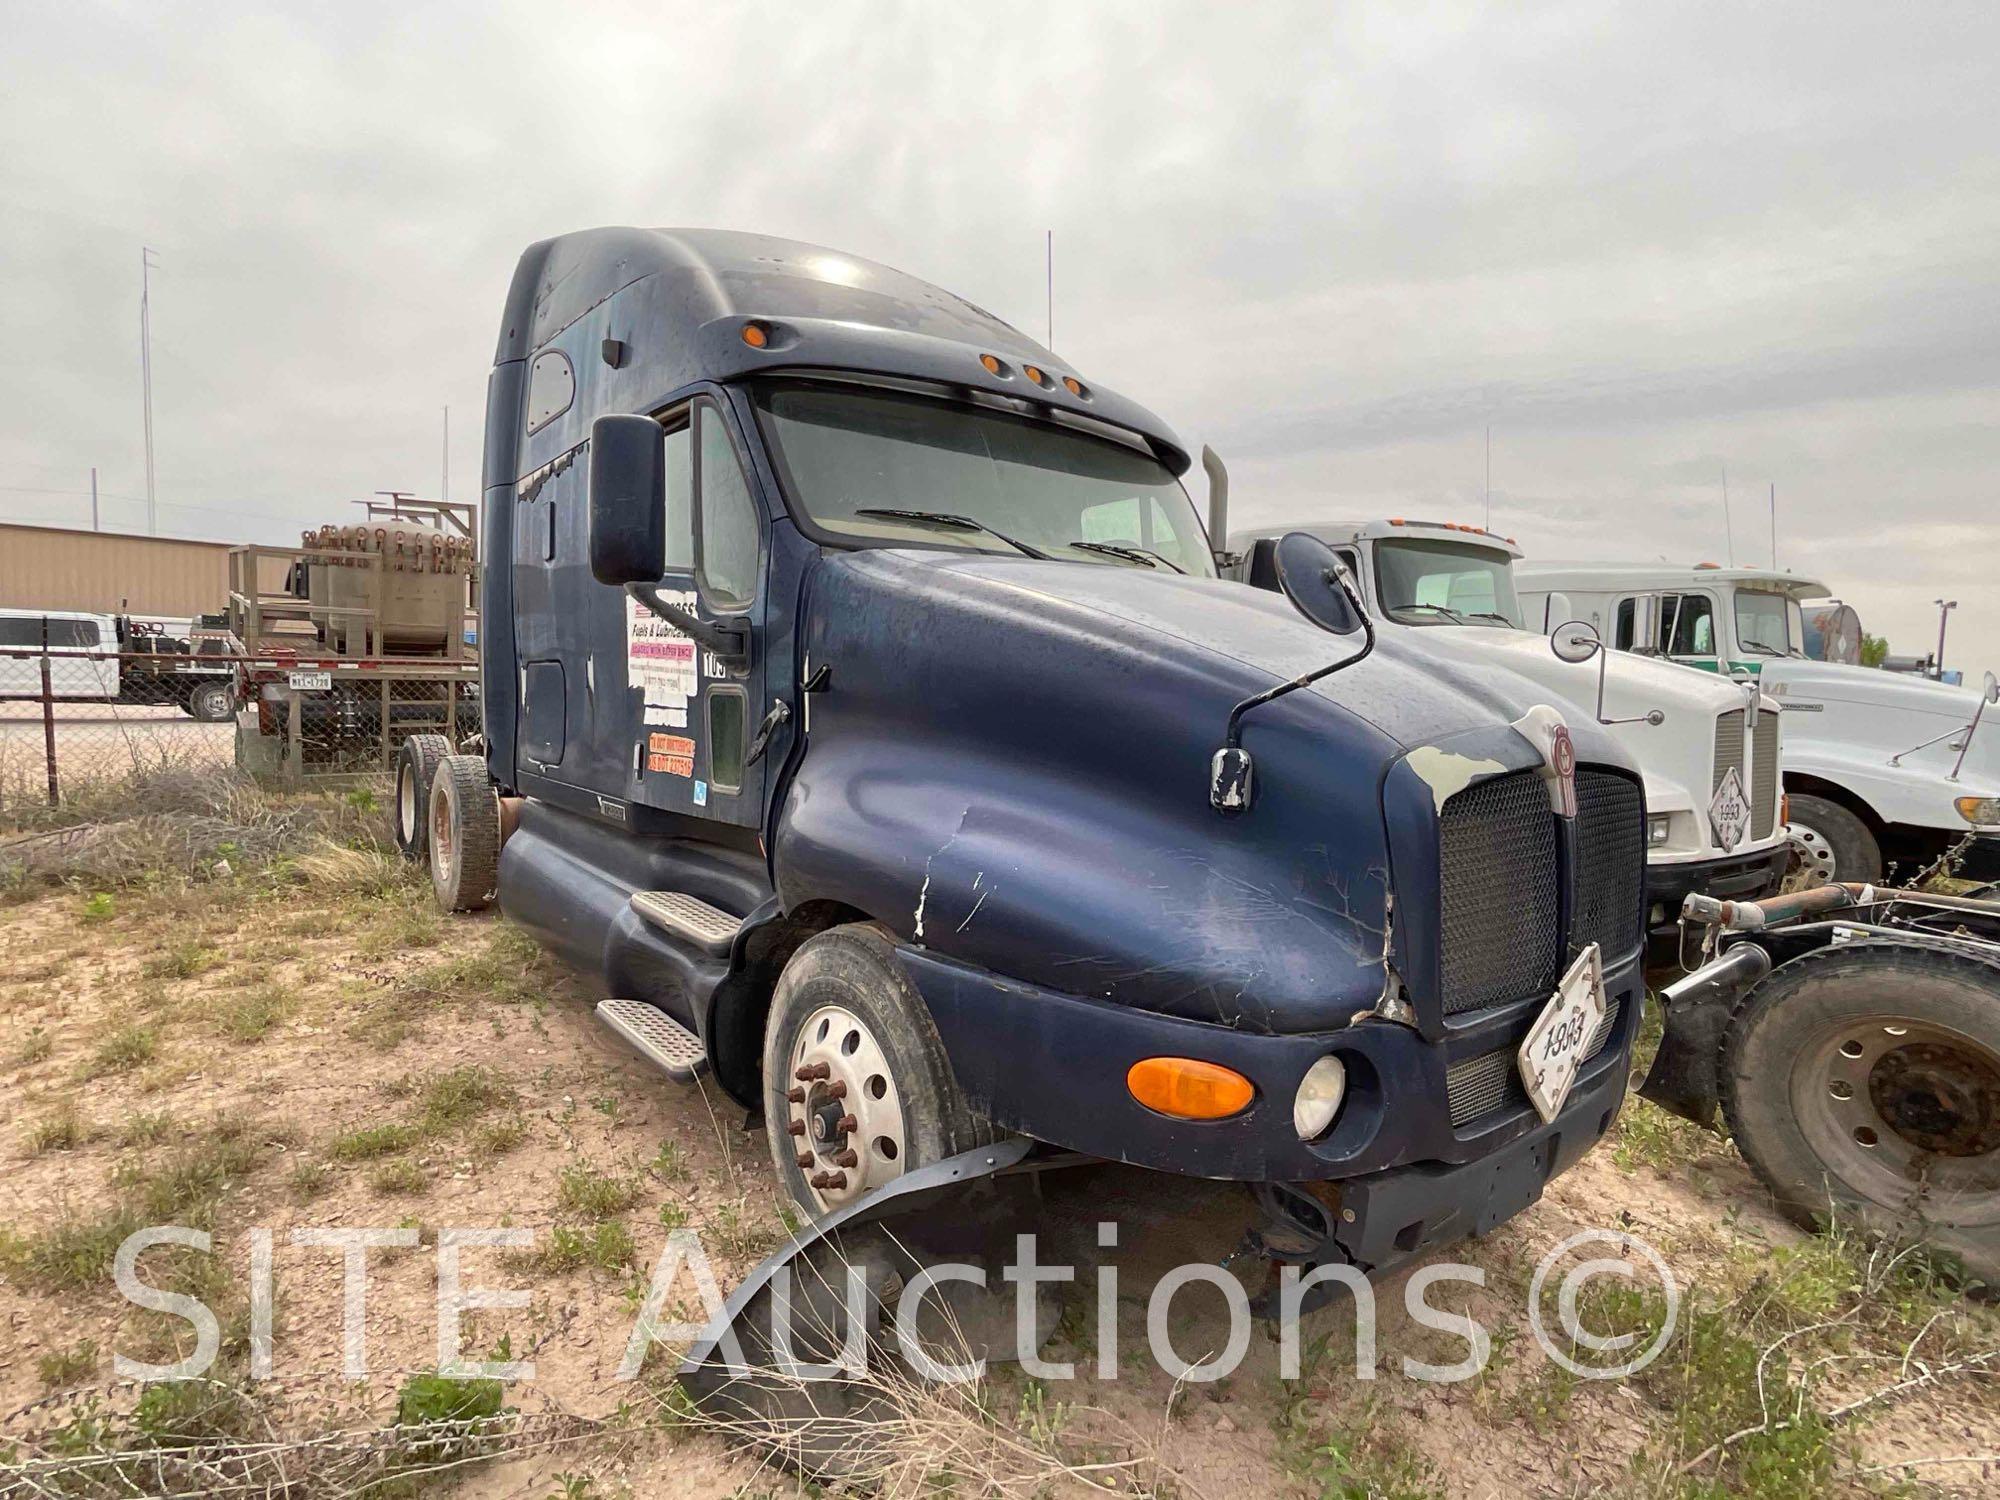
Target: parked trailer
{"x": 830, "y": 728}
{"x": 1851, "y": 1035}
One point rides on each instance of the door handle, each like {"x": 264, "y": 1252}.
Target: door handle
{"x": 779, "y": 713}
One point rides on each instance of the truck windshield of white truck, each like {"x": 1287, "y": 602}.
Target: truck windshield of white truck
{"x": 908, "y": 470}
{"x": 1768, "y": 624}
{"x": 1426, "y": 582}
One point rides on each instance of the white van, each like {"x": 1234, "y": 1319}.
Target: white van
{"x": 69, "y": 637}
{"x": 1880, "y": 767}
{"x": 1710, "y": 765}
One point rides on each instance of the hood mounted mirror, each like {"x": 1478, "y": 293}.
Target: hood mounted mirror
{"x": 1322, "y": 589}
{"x": 1576, "y": 641}
{"x": 1989, "y": 692}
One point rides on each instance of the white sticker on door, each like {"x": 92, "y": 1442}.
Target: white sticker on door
{"x": 659, "y": 658}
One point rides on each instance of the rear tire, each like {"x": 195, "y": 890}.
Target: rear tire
{"x": 213, "y": 702}
{"x": 1845, "y": 839}
{"x": 464, "y": 834}
{"x": 1862, "y": 1084}
{"x": 845, "y": 1004}
{"x": 417, "y": 760}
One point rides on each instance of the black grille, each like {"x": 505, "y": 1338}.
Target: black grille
{"x": 1484, "y": 1085}
{"x": 1611, "y": 864}
{"x": 1498, "y": 910}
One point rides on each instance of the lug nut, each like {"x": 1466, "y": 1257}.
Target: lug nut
{"x": 805, "y": 1160}
{"x": 797, "y": 1127}
{"x": 813, "y": 1072}
{"x": 837, "y": 1089}
{"x": 848, "y": 1125}
{"x": 846, "y": 1159}
{"x": 795, "y": 1096}
{"x": 836, "y": 1180}
{"x": 818, "y": 1179}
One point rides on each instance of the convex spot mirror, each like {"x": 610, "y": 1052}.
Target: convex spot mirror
{"x": 1992, "y": 688}
{"x": 628, "y": 512}
{"x": 1575, "y": 641}
{"x": 1317, "y": 582}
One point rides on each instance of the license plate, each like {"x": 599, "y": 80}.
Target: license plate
{"x": 1729, "y": 811}
{"x": 1553, "y": 1049}
{"x": 309, "y": 682}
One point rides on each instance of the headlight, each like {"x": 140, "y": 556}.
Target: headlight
{"x": 1318, "y": 1101}
{"x": 1980, "y": 811}
{"x": 1656, "y": 828}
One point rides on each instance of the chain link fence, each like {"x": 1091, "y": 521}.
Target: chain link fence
{"x": 74, "y": 718}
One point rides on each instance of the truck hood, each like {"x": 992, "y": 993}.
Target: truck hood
{"x": 1900, "y": 692}
{"x": 1413, "y": 696}
{"x": 1632, "y": 684}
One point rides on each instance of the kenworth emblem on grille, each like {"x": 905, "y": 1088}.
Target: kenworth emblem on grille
{"x": 1562, "y": 760}
{"x": 1543, "y": 727}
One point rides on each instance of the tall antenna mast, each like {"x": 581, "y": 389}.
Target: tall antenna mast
{"x": 1774, "y": 526}
{"x": 1488, "y": 522}
{"x": 1728, "y": 530}
{"x": 146, "y": 265}
{"x": 444, "y": 485}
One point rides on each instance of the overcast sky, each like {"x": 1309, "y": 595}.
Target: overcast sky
{"x": 1641, "y": 242}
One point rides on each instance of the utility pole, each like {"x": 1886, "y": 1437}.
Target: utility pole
{"x": 445, "y": 486}
{"x": 1488, "y": 522}
{"x": 146, "y": 265}
{"x": 1945, "y": 607}
{"x": 93, "y": 497}
{"x": 1728, "y": 530}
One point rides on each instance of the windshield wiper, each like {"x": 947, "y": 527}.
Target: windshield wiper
{"x": 1487, "y": 614}
{"x": 1760, "y": 648}
{"x": 1450, "y": 614}
{"x": 956, "y": 523}
{"x": 1146, "y": 557}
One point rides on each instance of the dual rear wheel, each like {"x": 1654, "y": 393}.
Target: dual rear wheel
{"x": 446, "y": 812}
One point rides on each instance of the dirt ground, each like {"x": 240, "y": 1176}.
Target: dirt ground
{"x": 310, "y": 1045}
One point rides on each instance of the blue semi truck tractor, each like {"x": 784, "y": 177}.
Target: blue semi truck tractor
{"x": 863, "y": 713}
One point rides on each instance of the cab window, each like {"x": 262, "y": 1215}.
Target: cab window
{"x": 1686, "y": 626}
{"x": 679, "y": 440}
{"x": 728, "y": 514}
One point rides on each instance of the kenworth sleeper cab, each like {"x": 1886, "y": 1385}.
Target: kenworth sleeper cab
{"x": 1708, "y": 750}
{"x": 865, "y": 716}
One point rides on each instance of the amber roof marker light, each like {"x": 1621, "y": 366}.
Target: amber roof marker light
{"x": 993, "y": 365}
{"x": 1076, "y": 388}
{"x": 755, "y": 336}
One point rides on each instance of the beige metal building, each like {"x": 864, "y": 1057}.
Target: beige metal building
{"x": 105, "y": 572}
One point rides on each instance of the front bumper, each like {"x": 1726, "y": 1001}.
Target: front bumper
{"x": 1052, "y": 1066}
{"x": 1735, "y": 877}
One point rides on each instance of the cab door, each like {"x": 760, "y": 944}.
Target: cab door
{"x": 692, "y": 717}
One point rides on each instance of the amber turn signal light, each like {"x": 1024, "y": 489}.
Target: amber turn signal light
{"x": 1189, "y": 1089}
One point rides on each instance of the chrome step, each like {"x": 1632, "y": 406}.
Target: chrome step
{"x": 655, "y": 1036}
{"x": 689, "y": 918}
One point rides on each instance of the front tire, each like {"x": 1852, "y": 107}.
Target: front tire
{"x": 878, "y": 1097}
{"x": 1862, "y": 1084}
{"x": 1841, "y": 846}
{"x": 464, "y": 834}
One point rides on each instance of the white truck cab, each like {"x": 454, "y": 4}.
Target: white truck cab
{"x": 1711, "y": 763}
{"x": 1880, "y": 767}
{"x": 76, "y": 644}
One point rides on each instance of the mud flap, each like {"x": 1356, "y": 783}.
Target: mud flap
{"x": 1686, "y": 1077}
{"x": 846, "y": 1325}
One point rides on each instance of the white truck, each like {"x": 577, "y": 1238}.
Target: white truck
{"x": 1708, "y": 750}
{"x": 1881, "y": 768}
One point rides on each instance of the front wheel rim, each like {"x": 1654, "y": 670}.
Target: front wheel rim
{"x": 1812, "y": 860}
{"x": 843, "y": 1112}
{"x": 1907, "y": 1114}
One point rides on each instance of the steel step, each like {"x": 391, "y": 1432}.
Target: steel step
{"x": 655, "y": 1036}
{"x": 688, "y": 918}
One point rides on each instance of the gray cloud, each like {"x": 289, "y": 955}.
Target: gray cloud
{"x": 1638, "y": 241}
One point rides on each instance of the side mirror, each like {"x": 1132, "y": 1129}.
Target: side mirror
{"x": 1576, "y": 641}
{"x": 1555, "y": 609}
{"x": 1318, "y": 583}
{"x": 1218, "y": 506}
{"x": 628, "y": 509}
{"x": 1992, "y": 688}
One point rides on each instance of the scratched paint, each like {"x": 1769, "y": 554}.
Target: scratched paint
{"x": 1447, "y": 773}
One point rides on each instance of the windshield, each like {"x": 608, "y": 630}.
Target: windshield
{"x": 989, "y": 480}
{"x": 1425, "y": 582}
{"x": 1764, "y": 624}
